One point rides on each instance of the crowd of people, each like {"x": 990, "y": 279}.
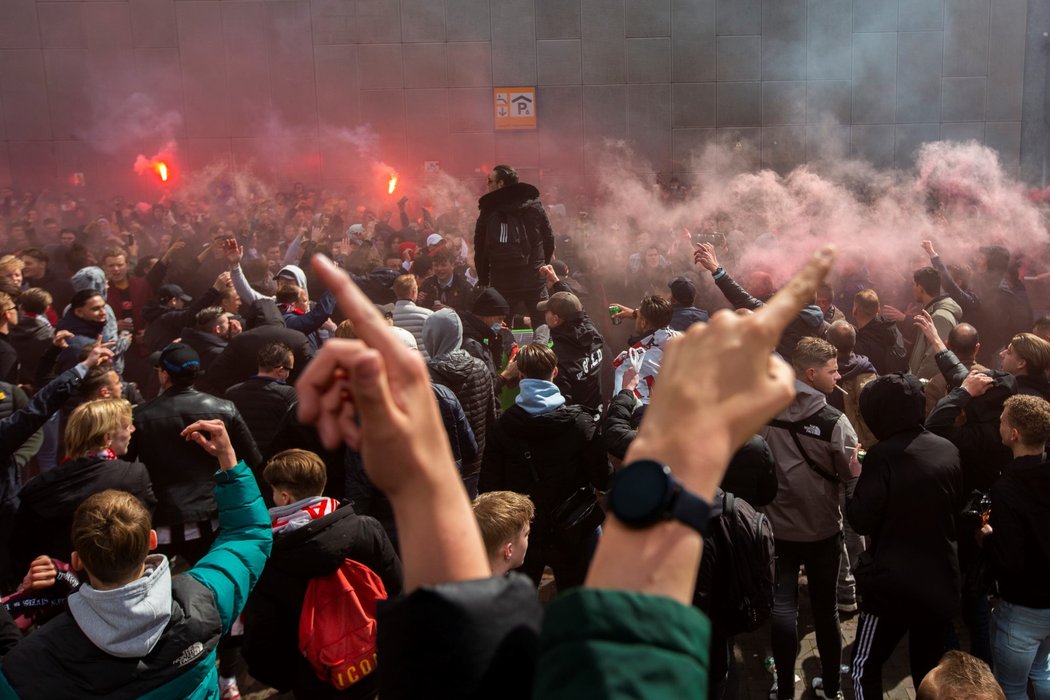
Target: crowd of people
{"x": 293, "y": 444}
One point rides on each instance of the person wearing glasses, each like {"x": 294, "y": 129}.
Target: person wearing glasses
{"x": 266, "y": 400}
{"x": 9, "y": 364}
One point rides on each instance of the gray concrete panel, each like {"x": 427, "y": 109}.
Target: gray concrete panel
{"x": 874, "y": 77}
{"x": 648, "y": 60}
{"x": 693, "y": 59}
{"x": 20, "y": 30}
{"x": 561, "y": 128}
{"x": 61, "y": 25}
{"x": 919, "y": 79}
{"x": 963, "y": 132}
{"x": 107, "y": 24}
{"x": 23, "y": 85}
{"x": 695, "y": 18}
{"x": 67, "y": 76}
{"x": 33, "y": 163}
{"x": 206, "y": 106}
{"x": 830, "y": 39}
{"x": 908, "y": 138}
{"x": 467, "y": 20}
{"x": 334, "y": 21}
{"x": 966, "y": 38}
{"x": 1008, "y": 17}
{"x": 469, "y": 64}
{"x": 246, "y": 46}
{"x": 378, "y": 21}
{"x": 470, "y": 109}
{"x": 559, "y": 61}
{"x": 153, "y": 23}
{"x": 746, "y": 143}
{"x": 604, "y": 51}
{"x": 292, "y": 83}
{"x": 424, "y": 65}
{"x": 380, "y": 66}
{"x": 422, "y": 21}
{"x": 735, "y": 17}
{"x": 1006, "y": 77}
{"x": 335, "y": 70}
{"x": 783, "y": 103}
{"x": 875, "y": 15}
{"x": 739, "y": 58}
{"x": 559, "y": 19}
{"x": 739, "y": 104}
{"x": 471, "y": 152}
{"x": 874, "y": 143}
{"x": 384, "y": 110}
{"x": 693, "y": 105}
{"x": 921, "y": 15}
{"x": 513, "y": 43}
{"x": 963, "y": 99}
{"x": 784, "y": 40}
{"x": 522, "y": 148}
{"x": 828, "y": 100}
{"x": 827, "y": 141}
{"x": 1005, "y": 138}
{"x": 688, "y": 145}
{"x": 648, "y": 18}
{"x": 783, "y": 148}
{"x": 649, "y": 123}
{"x": 426, "y": 117}
{"x": 604, "y": 112}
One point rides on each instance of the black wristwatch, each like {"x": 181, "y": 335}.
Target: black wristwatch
{"x": 645, "y": 492}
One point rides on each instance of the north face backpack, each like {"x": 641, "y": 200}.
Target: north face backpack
{"x": 506, "y": 240}
{"x": 337, "y": 627}
{"x": 745, "y": 568}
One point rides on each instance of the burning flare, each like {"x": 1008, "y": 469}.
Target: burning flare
{"x": 158, "y": 164}
{"x": 161, "y": 168}
{"x": 392, "y": 184}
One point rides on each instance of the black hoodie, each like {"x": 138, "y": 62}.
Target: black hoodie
{"x": 580, "y": 350}
{"x": 881, "y": 342}
{"x": 522, "y": 200}
{"x": 1018, "y": 549}
{"x": 906, "y": 499}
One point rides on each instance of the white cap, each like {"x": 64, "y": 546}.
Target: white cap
{"x": 433, "y": 239}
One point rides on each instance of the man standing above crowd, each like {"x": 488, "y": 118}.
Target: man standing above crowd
{"x": 878, "y": 338}
{"x": 814, "y": 446}
{"x": 946, "y": 315}
{"x": 512, "y": 240}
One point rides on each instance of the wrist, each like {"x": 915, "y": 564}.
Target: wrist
{"x": 227, "y": 459}
{"x": 718, "y": 273}
{"x": 700, "y": 470}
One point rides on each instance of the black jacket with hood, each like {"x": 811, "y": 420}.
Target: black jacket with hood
{"x": 240, "y": 359}
{"x": 881, "y": 342}
{"x": 48, "y": 501}
{"x": 163, "y": 322}
{"x": 271, "y": 617}
{"x": 522, "y": 200}
{"x": 580, "y": 349}
{"x": 906, "y": 500}
{"x": 467, "y": 376}
{"x": 1018, "y": 549}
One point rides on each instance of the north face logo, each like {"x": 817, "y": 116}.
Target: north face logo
{"x": 811, "y": 430}
{"x": 192, "y": 652}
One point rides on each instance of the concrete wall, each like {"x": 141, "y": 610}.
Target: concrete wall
{"x": 85, "y": 85}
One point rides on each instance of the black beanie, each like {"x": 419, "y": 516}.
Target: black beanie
{"x": 490, "y": 303}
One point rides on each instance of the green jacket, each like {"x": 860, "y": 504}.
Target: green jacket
{"x": 60, "y": 661}
{"x": 600, "y": 643}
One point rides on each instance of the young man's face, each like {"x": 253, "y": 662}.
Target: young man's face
{"x": 824, "y": 301}
{"x": 443, "y": 270}
{"x": 825, "y": 377}
{"x": 231, "y": 303}
{"x": 519, "y": 545}
{"x": 13, "y": 275}
{"x": 93, "y": 310}
{"x": 34, "y": 269}
{"x": 116, "y": 268}
{"x": 1011, "y": 361}
{"x": 67, "y": 238}
{"x": 121, "y": 438}
{"x": 552, "y": 319}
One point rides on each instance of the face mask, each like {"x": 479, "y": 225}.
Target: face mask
{"x": 496, "y": 327}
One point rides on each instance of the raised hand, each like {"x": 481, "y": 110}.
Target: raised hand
{"x": 212, "y": 436}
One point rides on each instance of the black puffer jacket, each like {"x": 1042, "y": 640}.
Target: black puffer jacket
{"x": 471, "y": 381}
{"x": 48, "y": 501}
{"x": 580, "y": 349}
{"x": 565, "y": 455}
{"x": 266, "y": 405}
{"x": 1018, "y": 549}
{"x": 271, "y": 617}
{"x": 240, "y": 359}
{"x": 522, "y": 200}
{"x": 906, "y": 500}
{"x": 182, "y": 472}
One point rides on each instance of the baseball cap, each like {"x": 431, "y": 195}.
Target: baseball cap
{"x": 167, "y": 292}
{"x": 561, "y": 304}
{"x": 355, "y": 231}
{"x": 433, "y": 239}
{"x": 682, "y": 290}
{"x": 177, "y": 359}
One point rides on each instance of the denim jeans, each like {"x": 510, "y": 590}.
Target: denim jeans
{"x": 821, "y": 560}
{"x": 852, "y": 548}
{"x": 1021, "y": 648}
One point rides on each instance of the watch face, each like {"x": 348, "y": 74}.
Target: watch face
{"x": 639, "y": 493}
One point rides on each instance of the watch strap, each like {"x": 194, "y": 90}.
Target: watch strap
{"x": 690, "y": 509}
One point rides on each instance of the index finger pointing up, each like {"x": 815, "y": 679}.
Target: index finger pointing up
{"x": 369, "y": 324}
{"x": 782, "y": 309}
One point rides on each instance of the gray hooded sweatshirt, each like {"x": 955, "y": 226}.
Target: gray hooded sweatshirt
{"x": 442, "y": 333}
{"x": 126, "y": 622}
{"x": 94, "y": 278}
{"x": 248, "y": 294}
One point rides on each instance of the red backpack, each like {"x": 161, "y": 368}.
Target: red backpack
{"x": 337, "y": 628}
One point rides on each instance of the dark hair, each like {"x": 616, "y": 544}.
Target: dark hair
{"x": 82, "y": 297}
{"x": 443, "y": 256}
{"x": 536, "y": 361}
{"x": 208, "y": 318}
{"x": 505, "y": 174}
{"x": 34, "y": 253}
{"x": 657, "y": 311}
{"x": 97, "y": 378}
{"x": 996, "y": 258}
{"x": 287, "y": 294}
{"x": 272, "y": 356}
{"x": 929, "y": 279}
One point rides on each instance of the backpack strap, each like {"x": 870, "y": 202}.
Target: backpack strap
{"x": 793, "y": 429}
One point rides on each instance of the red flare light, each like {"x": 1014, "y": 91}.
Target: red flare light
{"x": 392, "y": 184}
{"x": 161, "y": 168}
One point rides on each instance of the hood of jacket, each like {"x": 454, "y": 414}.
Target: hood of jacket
{"x": 807, "y": 402}
{"x": 892, "y": 404}
{"x": 315, "y": 549}
{"x": 442, "y": 333}
{"x": 126, "y": 622}
{"x": 453, "y": 368}
{"x": 509, "y": 198}
{"x": 856, "y": 365}
{"x": 89, "y": 278}
{"x": 538, "y": 396}
{"x": 153, "y": 309}
{"x": 518, "y": 422}
{"x": 945, "y": 303}
{"x": 296, "y": 272}
{"x": 263, "y": 312}
{"x": 199, "y": 339}
{"x": 811, "y": 316}
{"x": 578, "y": 330}
{"x": 881, "y": 330}
{"x": 79, "y": 326}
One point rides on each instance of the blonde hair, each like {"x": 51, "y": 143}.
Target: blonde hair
{"x": 1034, "y": 351}
{"x": 299, "y": 472}
{"x": 10, "y": 262}
{"x": 111, "y": 533}
{"x": 1030, "y": 415}
{"x": 88, "y": 424}
{"x": 501, "y": 515}
{"x": 867, "y": 301}
{"x": 403, "y": 286}
{"x": 345, "y": 330}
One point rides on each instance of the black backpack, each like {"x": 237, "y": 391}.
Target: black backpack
{"x": 506, "y": 240}
{"x": 744, "y": 575}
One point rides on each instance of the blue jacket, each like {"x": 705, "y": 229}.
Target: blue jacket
{"x": 308, "y": 323}
{"x": 60, "y": 661}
